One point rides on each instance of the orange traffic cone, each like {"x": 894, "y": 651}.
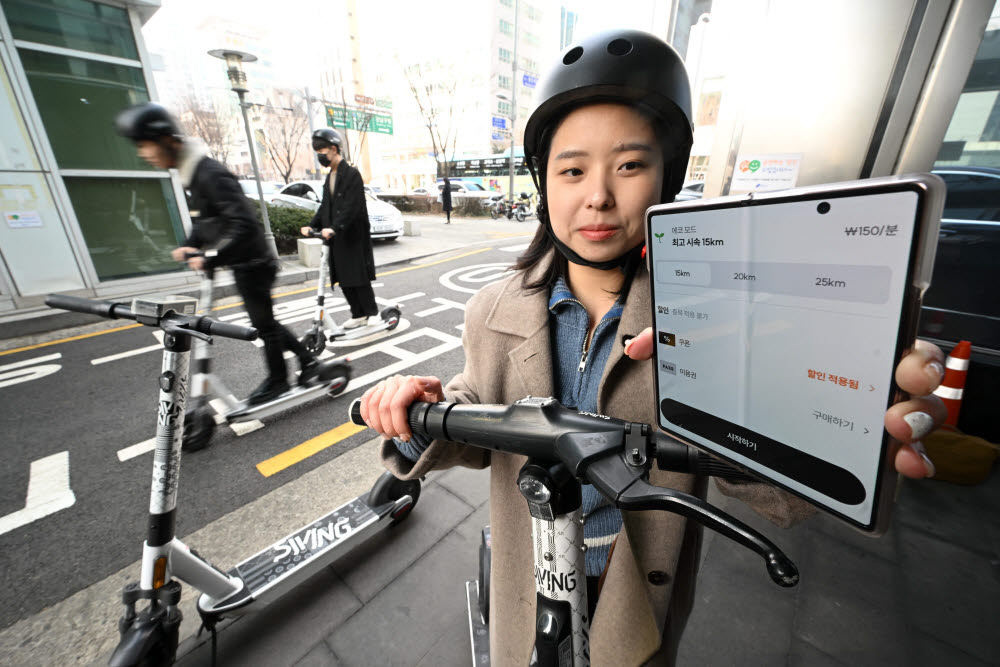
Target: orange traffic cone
{"x": 953, "y": 385}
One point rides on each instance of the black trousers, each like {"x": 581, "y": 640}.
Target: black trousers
{"x": 361, "y": 300}
{"x": 254, "y": 285}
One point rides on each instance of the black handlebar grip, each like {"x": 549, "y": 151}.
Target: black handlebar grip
{"x": 354, "y": 413}
{"x": 197, "y": 253}
{"x": 226, "y": 330}
{"x": 80, "y": 305}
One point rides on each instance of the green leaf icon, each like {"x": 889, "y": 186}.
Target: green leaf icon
{"x": 15, "y": 217}
{"x": 658, "y": 236}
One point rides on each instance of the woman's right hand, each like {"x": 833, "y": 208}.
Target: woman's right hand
{"x": 306, "y": 231}
{"x": 383, "y": 407}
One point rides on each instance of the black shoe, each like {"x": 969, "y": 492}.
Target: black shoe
{"x": 309, "y": 372}
{"x": 269, "y": 390}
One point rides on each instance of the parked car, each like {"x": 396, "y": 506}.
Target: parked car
{"x": 468, "y": 189}
{"x": 249, "y": 187}
{"x": 962, "y": 302}
{"x": 691, "y": 190}
{"x": 384, "y": 219}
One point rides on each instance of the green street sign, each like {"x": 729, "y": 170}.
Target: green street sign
{"x": 352, "y": 118}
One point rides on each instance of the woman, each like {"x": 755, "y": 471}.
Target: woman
{"x": 610, "y": 137}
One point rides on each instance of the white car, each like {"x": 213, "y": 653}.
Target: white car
{"x": 249, "y": 187}
{"x": 384, "y": 219}
{"x": 468, "y": 190}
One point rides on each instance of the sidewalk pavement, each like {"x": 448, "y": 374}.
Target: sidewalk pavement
{"x": 37, "y": 324}
{"x": 927, "y": 593}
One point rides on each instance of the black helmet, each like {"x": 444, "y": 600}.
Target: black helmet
{"x": 148, "y": 121}
{"x": 326, "y": 136}
{"x": 627, "y": 66}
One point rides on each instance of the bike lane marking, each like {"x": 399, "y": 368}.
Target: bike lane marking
{"x": 48, "y": 492}
{"x": 300, "y": 452}
{"x": 28, "y": 369}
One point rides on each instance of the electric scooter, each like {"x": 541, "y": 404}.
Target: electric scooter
{"x": 564, "y": 449}
{"x": 149, "y": 636}
{"x": 207, "y": 390}
{"x": 316, "y": 337}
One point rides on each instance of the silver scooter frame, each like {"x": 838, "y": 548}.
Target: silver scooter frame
{"x": 324, "y": 329}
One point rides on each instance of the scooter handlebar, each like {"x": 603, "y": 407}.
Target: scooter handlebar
{"x": 227, "y": 330}
{"x": 431, "y": 420}
{"x": 107, "y": 309}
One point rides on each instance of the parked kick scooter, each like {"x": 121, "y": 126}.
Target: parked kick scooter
{"x": 564, "y": 449}
{"x": 149, "y": 636}
{"x": 200, "y": 421}
{"x": 316, "y": 337}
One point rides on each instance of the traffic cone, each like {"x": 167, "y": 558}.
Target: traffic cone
{"x": 953, "y": 385}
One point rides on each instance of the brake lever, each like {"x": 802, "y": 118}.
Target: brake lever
{"x": 183, "y": 330}
{"x": 628, "y": 487}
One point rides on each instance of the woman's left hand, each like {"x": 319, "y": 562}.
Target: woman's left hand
{"x": 919, "y": 373}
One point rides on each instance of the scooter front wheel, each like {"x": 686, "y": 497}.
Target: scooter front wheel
{"x": 389, "y": 489}
{"x": 199, "y": 425}
{"x": 314, "y": 341}
{"x": 520, "y": 215}
{"x": 391, "y": 316}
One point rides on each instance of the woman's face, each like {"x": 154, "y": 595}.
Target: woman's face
{"x": 605, "y": 169}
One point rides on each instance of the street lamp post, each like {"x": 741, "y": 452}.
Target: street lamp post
{"x": 238, "y": 81}
{"x": 513, "y": 104}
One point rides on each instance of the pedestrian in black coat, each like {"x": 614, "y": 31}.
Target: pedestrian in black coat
{"x": 446, "y": 200}
{"x": 224, "y": 226}
{"x": 343, "y": 219}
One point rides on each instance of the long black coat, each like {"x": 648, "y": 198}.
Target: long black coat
{"x": 221, "y": 216}
{"x": 346, "y": 213}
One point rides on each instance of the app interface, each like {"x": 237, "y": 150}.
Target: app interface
{"x": 776, "y": 331}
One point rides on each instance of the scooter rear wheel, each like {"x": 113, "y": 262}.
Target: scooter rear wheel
{"x": 199, "y": 425}
{"x": 314, "y": 341}
{"x": 389, "y": 489}
{"x": 390, "y": 315}
{"x": 336, "y": 369}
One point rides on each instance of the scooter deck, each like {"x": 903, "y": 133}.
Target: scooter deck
{"x": 296, "y": 395}
{"x": 298, "y": 556}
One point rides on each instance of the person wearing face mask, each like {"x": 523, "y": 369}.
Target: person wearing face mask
{"x": 611, "y": 136}
{"x": 225, "y": 227}
{"x": 343, "y": 220}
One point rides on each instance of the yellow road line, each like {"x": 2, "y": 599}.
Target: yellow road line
{"x": 288, "y": 458}
{"x": 66, "y": 340}
{"x": 231, "y": 305}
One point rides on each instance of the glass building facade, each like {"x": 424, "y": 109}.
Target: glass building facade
{"x": 81, "y": 211}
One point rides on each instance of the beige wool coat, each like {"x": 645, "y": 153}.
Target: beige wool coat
{"x": 648, "y": 588}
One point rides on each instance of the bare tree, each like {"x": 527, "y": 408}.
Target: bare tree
{"x": 283, "y": 131}
{"x": 208, "y": 122}
{"x": 433, "y": 89}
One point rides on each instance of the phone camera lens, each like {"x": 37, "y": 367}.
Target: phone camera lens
{"x": 824, "y": 207}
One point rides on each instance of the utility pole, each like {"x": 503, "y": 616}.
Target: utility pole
{"x": 309, "y": 113}
{"x": 513, "y": 105}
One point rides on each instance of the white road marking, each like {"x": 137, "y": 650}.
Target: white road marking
{"x": 406, "y": 358}
{"x": 124, "y": 355}
{"x": 242, "y": 428}
{"x": 29, "y": 369}
{"x": 476, "y": 273}
{"x": 48, "y": 492}
{"x": 137, "y": 449}
{"x": 28, "y": 362}
{"x": 515, "y": 248}
{"x": 445, "y": 305}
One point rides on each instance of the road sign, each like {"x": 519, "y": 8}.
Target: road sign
{"x": 499, "y": 122}
{"x": 529, "y": 81}
{"x": 352, "y": 118}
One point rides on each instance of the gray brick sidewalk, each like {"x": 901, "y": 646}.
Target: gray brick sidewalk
{"x": 927, "y": 593}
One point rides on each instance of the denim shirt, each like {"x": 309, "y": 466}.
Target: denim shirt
{"x": 577, "y": 368}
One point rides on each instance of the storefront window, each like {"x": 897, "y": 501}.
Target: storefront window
{"x": 78, "y": 100}
{"x": 72, "y": 24}
{"x": 130, "y": 224}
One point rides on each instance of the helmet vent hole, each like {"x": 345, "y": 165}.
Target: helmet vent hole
{"x": 620, "y": 47}
{"x": 572, "y": 55}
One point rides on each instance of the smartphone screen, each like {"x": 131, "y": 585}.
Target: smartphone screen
{"x": 778, "y": 327}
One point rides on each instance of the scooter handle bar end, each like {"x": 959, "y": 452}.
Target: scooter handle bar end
{"x": 106, "y": 309}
